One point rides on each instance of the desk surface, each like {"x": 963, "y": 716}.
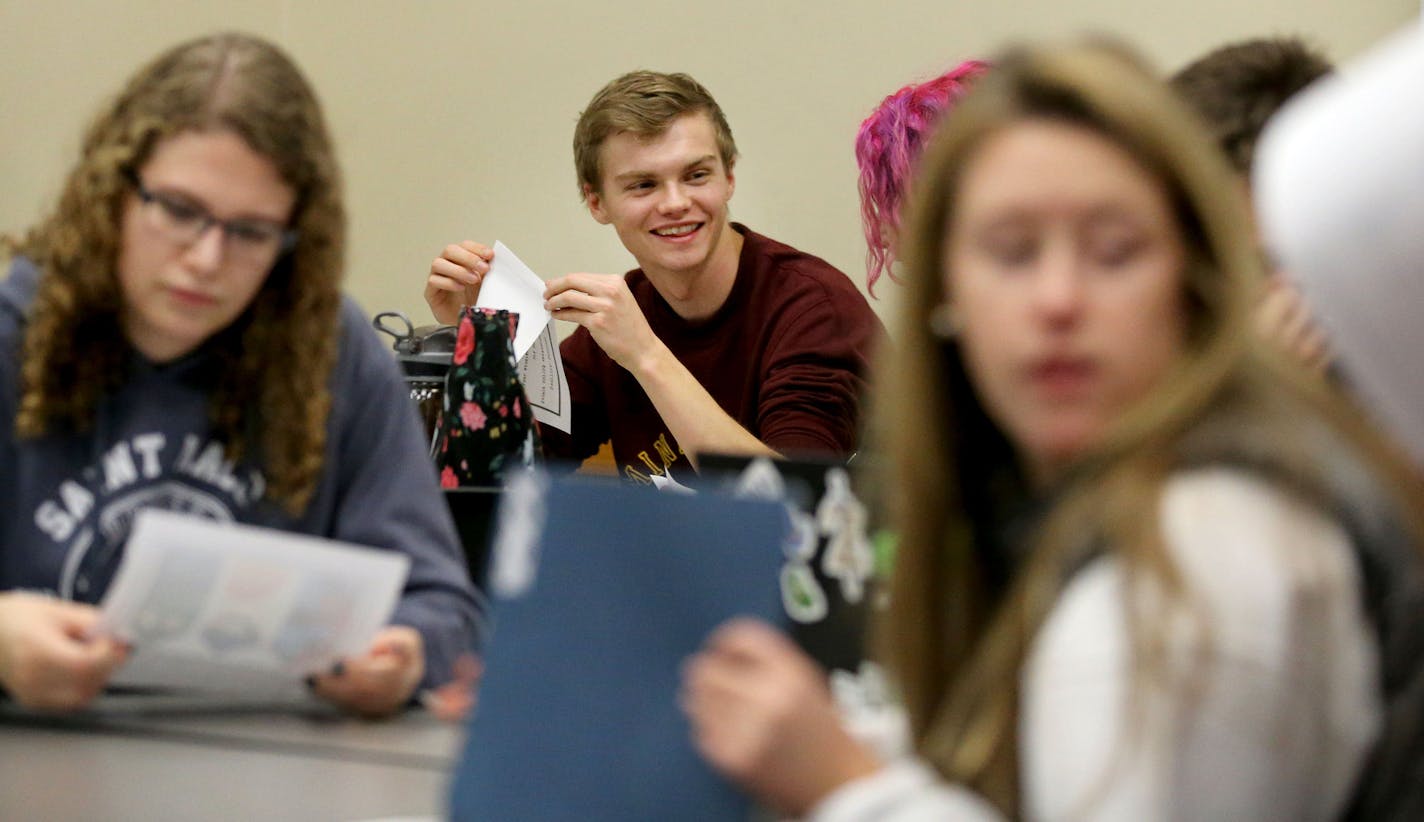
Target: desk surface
{"x": 241, "y": 765}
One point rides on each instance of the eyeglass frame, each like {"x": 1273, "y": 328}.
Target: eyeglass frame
{"x": 287, "y": 239}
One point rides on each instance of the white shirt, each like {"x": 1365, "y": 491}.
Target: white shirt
{"x": 1288, "y": 702}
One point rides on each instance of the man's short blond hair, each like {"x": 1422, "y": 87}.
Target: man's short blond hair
{"x": 643, "y": 103}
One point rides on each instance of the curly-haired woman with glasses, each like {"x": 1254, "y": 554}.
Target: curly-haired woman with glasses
{"x": 173, "y": 335}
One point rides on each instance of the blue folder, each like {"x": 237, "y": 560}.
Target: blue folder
{"x": 577, "y": 715}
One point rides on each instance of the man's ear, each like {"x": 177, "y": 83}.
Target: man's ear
{"x": 594, "y": 201}
{"x": 731, "y": 182}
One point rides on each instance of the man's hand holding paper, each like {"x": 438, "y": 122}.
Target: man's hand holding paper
{"x": 455, "y": 279}
{"x": 510, "y": 285}
{"x": 603, "y": 304}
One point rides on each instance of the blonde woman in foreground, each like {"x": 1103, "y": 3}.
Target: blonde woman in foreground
{"x": 1146, "y": 570}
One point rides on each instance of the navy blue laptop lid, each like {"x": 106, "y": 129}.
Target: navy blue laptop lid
{"x": 601, "y": 591}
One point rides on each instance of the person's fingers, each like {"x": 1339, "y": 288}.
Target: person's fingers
{"x": 456, "y": 275}
{"x": 72, "y": 672}
{"x": 556, "y": 286}
{"x": 74, "y": 620}
{"x": 99, "y": 659}
{"x": 1304, "y": 339}
{"x": 75, "y": 643}
{"x": 572, "y": 299}
{"x": 748, "y": 641}
{"x": 442, "y": 288}
{"x": 717, "y": 719}
{"x": 353, "y": 673}
{"x": 393, "y": 639}
{"x": 365, "y": 689}
{"x": 103, "y": 656}
{"x": 728, "y": 699}
{"x": 480, "y": 250}
{"x": 384, "y": 661}
{"x": 467, "y": 668}
{"x": 717, "y": 743}
{"x": 450, "y": 287}
{"x": 379, "y": 681}
{"x": 703, "y": 675}
{"x": 1314, "y": 349}
{"x": 722, "y": 678}
{"x": 1295, "y": 317}
{"x": 451, "y": 702}
{"x": 337, "y": 689}
{"x": 598, "y": 285}
{"x": 400, "y": 645}
{"x": 1285, "y": 320}
{"x": 1272, "y": 312}
{"x": 454, "y": 700}
{"x": 468, "y": 254}
{"x": 460, "y": 269}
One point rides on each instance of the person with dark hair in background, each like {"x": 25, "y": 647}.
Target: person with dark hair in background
{"x": 1237, "y": 89}
{"x": 722, "y": 340}
{"x": 173, "y": 336}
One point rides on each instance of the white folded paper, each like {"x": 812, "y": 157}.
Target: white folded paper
{"x": 512, "y": 286}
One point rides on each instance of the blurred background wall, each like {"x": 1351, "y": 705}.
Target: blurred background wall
{"x": 453, "y": 119}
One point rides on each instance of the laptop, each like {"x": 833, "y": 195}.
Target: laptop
{"x": 832, "y": 623}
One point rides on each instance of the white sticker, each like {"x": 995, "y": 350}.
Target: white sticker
{"x": 522, "y": 515}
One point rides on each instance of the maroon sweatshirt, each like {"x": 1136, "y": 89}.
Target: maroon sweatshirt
{"x": 786, "y": 356}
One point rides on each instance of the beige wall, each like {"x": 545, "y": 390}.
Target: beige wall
{"x": 453, "y": 119}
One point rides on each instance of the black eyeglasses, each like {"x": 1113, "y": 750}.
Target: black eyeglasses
{"x": 258, "y": 242}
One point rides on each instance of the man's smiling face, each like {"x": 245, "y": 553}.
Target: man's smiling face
{"x": 666, "y": 196}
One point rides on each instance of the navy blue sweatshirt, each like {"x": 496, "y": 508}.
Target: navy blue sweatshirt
{"x": 67, "y": 500}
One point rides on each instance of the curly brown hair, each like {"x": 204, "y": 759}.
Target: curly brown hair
{"x": 272, "y": 399}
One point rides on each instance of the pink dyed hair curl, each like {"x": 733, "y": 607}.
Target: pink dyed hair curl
{"x": 887, "y": 147}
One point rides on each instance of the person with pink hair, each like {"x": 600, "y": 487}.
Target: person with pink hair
{"x": 887, "y": 147}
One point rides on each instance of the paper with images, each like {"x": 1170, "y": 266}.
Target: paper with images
{"x": 512, "y": 286}
{"x": 232, "y": 608}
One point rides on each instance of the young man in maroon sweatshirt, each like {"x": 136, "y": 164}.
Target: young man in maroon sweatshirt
{"x": 722, "y": 340}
